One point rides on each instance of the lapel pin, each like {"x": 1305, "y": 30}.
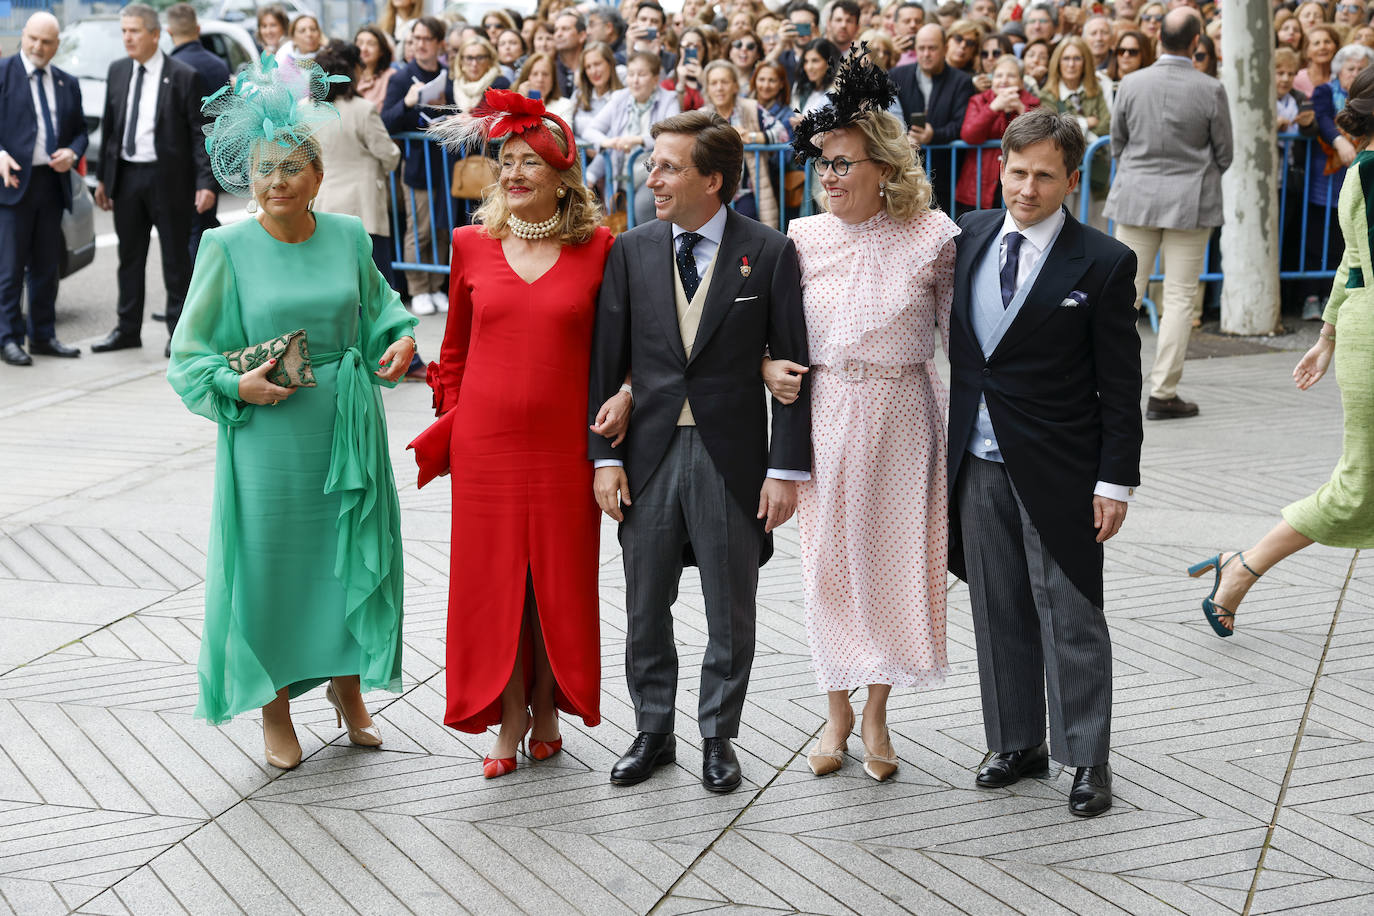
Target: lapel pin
{"x": 744, "y": 268}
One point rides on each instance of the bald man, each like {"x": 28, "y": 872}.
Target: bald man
{"x": 42, "y": 135}
{"x": 934, "y": 97}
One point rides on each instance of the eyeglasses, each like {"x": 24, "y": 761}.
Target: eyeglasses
{"x": 417, "y": 37}
{"x": 667, "y": 168}
{"x": 1349, "y": 8}
{"x": 839, "y": 165}
{"x": 1040, "y": 20}
{"x": 746, "y": 45}
{"x": 475, "y": 58}
{"x": 1127, "y": 52}
{"x": 962, "y": 39}
{"x": 1153, "y": 17}
{"x": 990, "y": 55}
{"x": 1201, "y": 56}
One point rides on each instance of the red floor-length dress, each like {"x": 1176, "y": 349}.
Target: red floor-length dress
{"x": 514, "y": 368}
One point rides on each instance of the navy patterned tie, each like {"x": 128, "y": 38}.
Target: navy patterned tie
{"x": 687, "y": 263}
{"x": 1014, "y": 240}
{"x": 50, "y": 142}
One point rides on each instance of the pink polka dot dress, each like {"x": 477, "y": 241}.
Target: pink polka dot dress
{"x": 873, "y": 517}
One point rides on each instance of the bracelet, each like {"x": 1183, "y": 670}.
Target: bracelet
{"x": 1330, "y": 337}
{"x": 628, "y": 390}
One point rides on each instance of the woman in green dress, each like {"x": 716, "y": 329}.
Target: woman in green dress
{"x": 1341, "y": 512}
{"x": 304, "y": 578}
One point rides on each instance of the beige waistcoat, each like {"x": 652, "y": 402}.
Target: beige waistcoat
{"x": 688, "y": 319}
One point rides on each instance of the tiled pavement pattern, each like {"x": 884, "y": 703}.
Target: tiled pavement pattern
{"x": 1245, "y": 767}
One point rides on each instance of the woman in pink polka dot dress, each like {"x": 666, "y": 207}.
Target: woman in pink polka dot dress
{"x": 877, "y": 283}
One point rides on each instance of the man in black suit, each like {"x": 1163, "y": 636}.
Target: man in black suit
{"x": 938, "y": 95}
{"x": 1044, "y": 455}
{"x": 42, "y": 135}
{"x": 688, "y": 303}
{"x": 184, "y": 29}
{"x": 153, "y": 170}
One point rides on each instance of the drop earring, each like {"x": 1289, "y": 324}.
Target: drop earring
{"x": 882, "y": 189}
{"x": 252, "y": 205}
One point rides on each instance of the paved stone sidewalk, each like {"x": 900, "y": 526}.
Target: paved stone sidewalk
{"x": 1244, "y": 767}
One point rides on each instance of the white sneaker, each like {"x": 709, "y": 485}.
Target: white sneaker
{"x": 440, "y": 301}
{"x": 422, "y": 304}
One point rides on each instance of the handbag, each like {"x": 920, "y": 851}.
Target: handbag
{"x": 471, "y": 176}
{"x": 293, "y": 369}
{"x": 793, "y": 184}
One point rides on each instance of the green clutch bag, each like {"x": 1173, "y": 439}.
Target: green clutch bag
{"x": 293, "y": 368}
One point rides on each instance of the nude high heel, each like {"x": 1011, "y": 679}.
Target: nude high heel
{"x": 880, "y": 766}
{"x": 823, "y": 762}
{"x": 367, "y": 736}
{"x": 282, "y": 759}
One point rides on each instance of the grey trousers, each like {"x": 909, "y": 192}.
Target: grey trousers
{"x": 1035, "y": 631}
{"x": 685, "y": 502}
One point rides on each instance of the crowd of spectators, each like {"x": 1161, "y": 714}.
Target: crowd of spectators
{"x": 963, "y": 70}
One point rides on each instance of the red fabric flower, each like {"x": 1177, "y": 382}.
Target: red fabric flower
{"x": 512, "y": 113}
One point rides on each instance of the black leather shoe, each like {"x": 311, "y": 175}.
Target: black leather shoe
{"x": 648, "y": 752}
{"x": 54, "y": 347}
{"x": 1092, "y": 790}
{"x": 719, "y": 765}
{"x": 1003, "y": 769}
{"x": 116, "y": 341}
{"x": 14, "y": 355}
{"x": 1174, "y": 408}
{"x": 167, "y": 350}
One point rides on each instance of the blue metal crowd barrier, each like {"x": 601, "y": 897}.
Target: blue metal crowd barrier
{"x": 942, "y": 164}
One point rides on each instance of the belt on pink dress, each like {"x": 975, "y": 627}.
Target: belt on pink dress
{"x": 857, "y": 370}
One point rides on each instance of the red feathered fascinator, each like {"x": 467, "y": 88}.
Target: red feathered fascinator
{"x": 503, "y": 113}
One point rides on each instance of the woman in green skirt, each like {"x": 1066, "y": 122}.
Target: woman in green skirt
{"x": 304, "y": 578}
{"x": 1341, "y": 512}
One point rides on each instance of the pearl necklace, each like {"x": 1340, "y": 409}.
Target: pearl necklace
{"x": 533, "y": 231}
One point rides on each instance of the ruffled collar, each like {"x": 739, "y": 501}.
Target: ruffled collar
{"x": 872, "y": 222}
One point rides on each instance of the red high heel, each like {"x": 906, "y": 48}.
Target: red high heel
{"x": 543, "y": 750}
{"x": 493, "y": 767}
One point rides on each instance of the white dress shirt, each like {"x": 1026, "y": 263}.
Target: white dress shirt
{"x": 711, "y": 232}
{"x": 40, "y": 141}
{"x": 1036, "y": 242}
{"x": 144, "y": 150}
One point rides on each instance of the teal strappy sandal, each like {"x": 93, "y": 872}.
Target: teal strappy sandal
{"x": 1213, "y": 611}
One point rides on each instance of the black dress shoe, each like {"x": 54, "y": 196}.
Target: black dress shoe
{"x": 54, "y": 347}
{"x": 14, "y": 354}
{"x": 1092, "y": 790}
{"x": 719, "y": 765}
{"x": 116, "y": 341}
{"x": 167, "y": 350}
{"x": 1174, "y": 408}
{"x": 648, "y": 752}
{"x": 1006, "y": 768}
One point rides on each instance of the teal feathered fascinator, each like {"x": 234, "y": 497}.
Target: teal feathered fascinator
{"x": 263, "y": 115}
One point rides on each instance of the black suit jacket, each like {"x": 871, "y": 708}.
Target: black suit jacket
{"x": 19, "y": 123}
{"x": 637, "y": 331}
{"x": 213, "y": 71}
{"x": 950, "y": 92}
{"x": 177, "y": 135}
{"x": 1062, "y": 388}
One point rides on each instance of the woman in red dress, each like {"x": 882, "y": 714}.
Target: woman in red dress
{"x": 523, "y": 630}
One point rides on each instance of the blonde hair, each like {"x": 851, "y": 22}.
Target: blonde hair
{"x": 908, "y": 193}
{"x": 455, "y": 67}
{"x": 1089, "y": 82}
{"x": 579, "y": 212}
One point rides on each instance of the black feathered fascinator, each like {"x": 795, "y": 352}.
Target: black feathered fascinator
{"x": 860, "y": 88}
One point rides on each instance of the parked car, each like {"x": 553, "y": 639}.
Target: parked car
{"x": 78, "y": 229}
{"x": 88, "y": 46}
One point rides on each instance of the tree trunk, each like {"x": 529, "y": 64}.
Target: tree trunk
{"x": 1250, "y": 238}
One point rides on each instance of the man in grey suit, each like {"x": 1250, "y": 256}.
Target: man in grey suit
{"x": 688, "y": 304}
{"x": 1044, "y": 455}
{"x": 1171, "y": 136}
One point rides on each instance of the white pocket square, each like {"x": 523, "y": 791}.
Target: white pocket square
{"x": 1074, "y": 300}
{"x": 745, "y": 298}
{"x": 1068, "y": 304}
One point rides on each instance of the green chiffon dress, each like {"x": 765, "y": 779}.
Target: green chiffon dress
{"x": 1341, "y": 512}
{"x": 304, "y": 578}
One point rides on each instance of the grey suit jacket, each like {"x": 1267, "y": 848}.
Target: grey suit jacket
{"x": 1171, "y": 136}
{"x": 358, "y": 154}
